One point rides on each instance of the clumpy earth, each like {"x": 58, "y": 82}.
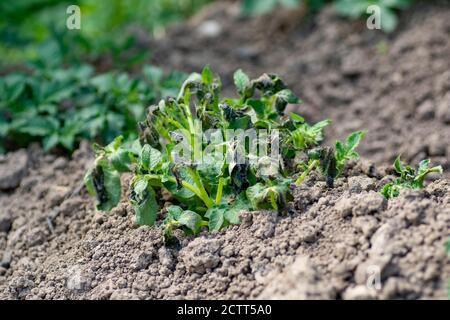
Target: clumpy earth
{"x": 333, "y": 244}
{"x": 55, "y": 246}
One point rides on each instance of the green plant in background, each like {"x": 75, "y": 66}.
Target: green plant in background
{"x": 388, "y": 10}
{"x": 59, "y": 107}
{"x": 257, "y": 7}
{"x": 353, "y": 9}
{"x": 214, "y": 191}
{"x": 35, "y": 29}
{"x": 409, "y": 178}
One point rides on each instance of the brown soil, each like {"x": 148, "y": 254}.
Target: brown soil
{"x": 54, "y": 245}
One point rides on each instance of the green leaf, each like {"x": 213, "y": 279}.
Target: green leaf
{"x": 154, "y": 74}
{"x": 424, "y": 165}
{"x": 296, "y": 117}
{"x": 207, "y": 76}
{"x": 39, "y": 126}
{"x": 409, "y": 177}
{"x": 290, "y": 4}
{"x": 50, "y": 141}
{"x": 121, "y": 160}
{"x": 389, "y": 20}
{"x": 258, "y": 7}
{"x": 241, "y": 81}
{"x": 398, "y": 166}
{"x": 210, "y": 170}
{"x": 259, "y": 107}
{"x": 351, "y": 8}
{"x": 150, "y": 157}
{"x": 233, "y": 211}
{"x": 191, "y": 220}
{"x": 140, "y": 185}
{"x": 257, "y": 195}
{"x": 144, "y": 203}
{"x": 354, "y": 139}
{"x": 174, "y": 212}
{"x": 396, "y": 4}
{"x": 216, "y": 217}
{"x": 346, "y": 151}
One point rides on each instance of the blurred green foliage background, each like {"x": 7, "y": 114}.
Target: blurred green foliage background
{"x": 35, "y": 30}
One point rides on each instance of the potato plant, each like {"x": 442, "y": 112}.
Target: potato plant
{"x": 213, "y": 191}
{"x": 409, "y": 178}
{"x": 331, "y": 162}
{"x": 195, "y": 162}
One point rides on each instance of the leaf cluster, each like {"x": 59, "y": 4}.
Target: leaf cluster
{"x": 211, "y": 192}
{"x": 331, "y": 162}
{"x": 59, "y": 107}
{"x": 353, "y": 9}
{"x": 408, "y": 177}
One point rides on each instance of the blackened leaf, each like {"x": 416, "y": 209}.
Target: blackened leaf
{"x": 256, "y": 196}
{"x": 145, "y": 206}
{"x": 103, "y": 182}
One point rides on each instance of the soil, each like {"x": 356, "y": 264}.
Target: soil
{"x": 53, "y": 245}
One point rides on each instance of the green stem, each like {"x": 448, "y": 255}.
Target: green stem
{"x": 219, "y": 190}
{"x": 273, "y": 200}
{"x": 310, "y": 168}
{"x": 198, "y": 182}
{"x": 188, "y": 186}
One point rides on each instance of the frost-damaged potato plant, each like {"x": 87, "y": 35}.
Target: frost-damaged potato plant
{"x": 409, "y": 178}
{"x": 212, "y": 157}
{"x": 331, "y": 162}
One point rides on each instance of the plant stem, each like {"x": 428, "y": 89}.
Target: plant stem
{"x": 198, "y": 192}
{"x": 273, "y": 200}
{"x": 219, "y": 190}
{"x": 310, "y": 168}
{"x": 198, "y": 182}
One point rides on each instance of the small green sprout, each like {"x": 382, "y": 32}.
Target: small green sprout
{"x": 330, "y": 162}
{"x": 409, "y": 178}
